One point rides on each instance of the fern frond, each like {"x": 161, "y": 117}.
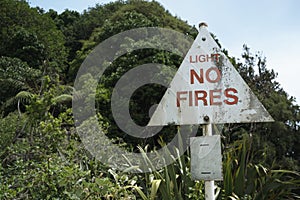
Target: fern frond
{"x": 62, "y": 98}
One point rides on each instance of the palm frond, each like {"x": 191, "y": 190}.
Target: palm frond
{"x": 22, "y": 97}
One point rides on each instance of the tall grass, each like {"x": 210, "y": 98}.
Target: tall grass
{"x": 242, "y": 178}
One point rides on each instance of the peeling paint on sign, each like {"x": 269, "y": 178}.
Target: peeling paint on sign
{"x": 207, "y": 84}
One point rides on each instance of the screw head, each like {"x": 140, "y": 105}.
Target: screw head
{"x": 206, "y": 118}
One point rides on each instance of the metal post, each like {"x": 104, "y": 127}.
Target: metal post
{"x": 210, "y": 190}
{"x": 209, "y": 185}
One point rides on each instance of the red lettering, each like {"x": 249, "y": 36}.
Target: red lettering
{"x": 217, "y": 57}
{"x": 202, "y": 58}
{"x": 190, "y": 98}
{"x": 217, "y": 78}
{"x": 202, "y": 97}
{"x": 194, "y": 74}
{"x": 208, "y": 98}
{"x": 232, "y": 99}
{"x": 179, "y": 98}
{"x": 211, "y": 57}
{"x": 193, "y": 61}
{"x": 215, "y": 94}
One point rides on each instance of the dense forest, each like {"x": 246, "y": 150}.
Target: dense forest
{"x": 42, "y": 155}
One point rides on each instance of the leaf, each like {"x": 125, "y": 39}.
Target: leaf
{"x": 62, "y": 98}
{"x": 132, "y": 168}
{"x": 141, "y": 193}
{"x": 22, "y": 97}
{"x": 239, "y": 185}
{"x": 228, "y": 180}
{"x": 154, "y": 188}
{"x": 146, "y": 159}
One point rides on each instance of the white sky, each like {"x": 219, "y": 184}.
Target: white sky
{"x": 270, "y": 26}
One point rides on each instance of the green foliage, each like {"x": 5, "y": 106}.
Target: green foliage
{"x": 121, "y": 16}
{"x": 42, "y": 156}
{"x": 31, "y": 36}
{"x": 16, "y": 77}
{"x": 246, "y": 180}
{"x": 170, "y": 182}
{"x": 67, "y": 22}
{"x": 10, "y": 130}
{"x": 278, "y": 139}
{"x": 25, "y": 45}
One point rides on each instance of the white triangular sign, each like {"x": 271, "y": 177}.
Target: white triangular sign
{"x": 207, "y": 84}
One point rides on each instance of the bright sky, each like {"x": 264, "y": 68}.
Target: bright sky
{"x": 272, "y": 27}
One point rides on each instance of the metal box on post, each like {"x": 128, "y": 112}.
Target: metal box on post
{"x": 206, "y": 158}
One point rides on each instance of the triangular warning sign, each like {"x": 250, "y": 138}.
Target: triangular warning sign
{"x": 207, "y": 85}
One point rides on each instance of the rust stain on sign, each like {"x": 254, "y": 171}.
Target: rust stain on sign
{"x": 207, "y": 84}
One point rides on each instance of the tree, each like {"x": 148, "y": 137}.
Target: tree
{"x": 67, "y": 22}
{"x": 16, "y": 77}
{"x": 25, "y": 30}
{"x": 25, "y": 45}
{"x": 278, "y": 141}
{"x": 42, "y": 156}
